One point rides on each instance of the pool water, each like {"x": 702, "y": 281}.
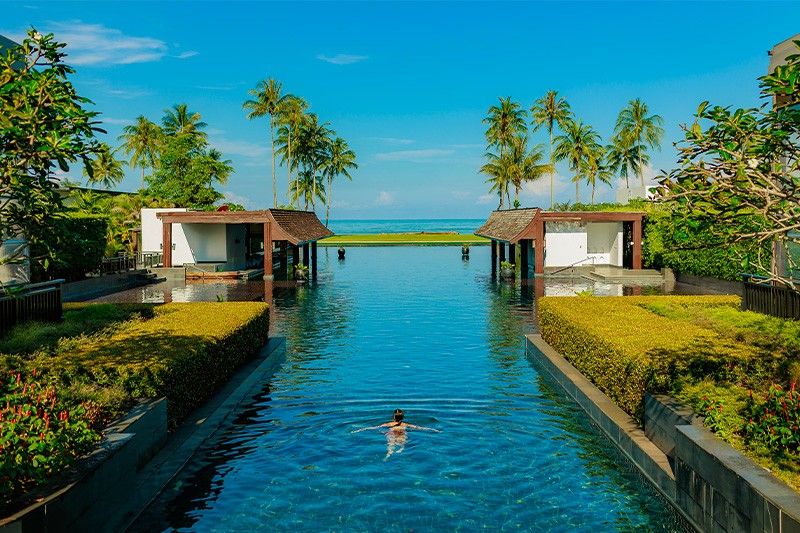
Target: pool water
{"x": 421, "y": 330}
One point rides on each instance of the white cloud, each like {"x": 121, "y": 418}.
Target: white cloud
{"x": 385, "y": 198}
{"x": 394, "y": 140}
{"x": 95, "y": 44}
{"x": 461, "y": 195}
{"x": 243, "y": 148}
{"x": 232, "y": 197}
{"x": 488, "y": 198}
{"x": 223, "y": 87}
{"x": 127, "y": 94}
{"x": 541, "y": 187}
{"x": 414, "y": 156}
{"x": 116, "y": 121}
{"x": 187, "y": 54}
{"x": 342, "y": 59}
{"x": 467, "y": 146}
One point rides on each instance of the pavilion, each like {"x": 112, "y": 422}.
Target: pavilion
{"x": 563, "y": 239}
{"x": 233, "y": 239}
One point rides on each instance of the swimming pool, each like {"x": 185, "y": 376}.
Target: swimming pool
{"x": 422, "y": 330}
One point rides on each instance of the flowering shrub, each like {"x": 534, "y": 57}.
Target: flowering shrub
{"x": 775, "y": 422}
{"x": 39, "y": 435}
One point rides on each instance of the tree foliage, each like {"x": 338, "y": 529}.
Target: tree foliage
{"x": 44, "y": 128}
{"x": 738, "y": 178}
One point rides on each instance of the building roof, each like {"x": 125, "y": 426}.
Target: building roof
{"x": 507, "y": 225}
{"x": 512, "y": 225}
{"x": 297, "y": 227}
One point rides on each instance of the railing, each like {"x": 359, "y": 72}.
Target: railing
{"x": 576, "y": 263}
{"x": 37, "y": 301}
{"x": 118, "y": 264}
{"x": 151, "y": 259}
{"x": 767, "y": 299}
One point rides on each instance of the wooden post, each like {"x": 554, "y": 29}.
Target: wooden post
{"x": 637, "y": 244}
{"x": 306, "y": 258}
{"x": 524, "y": 245}
{"x": 512, "y": 254}
{"x": 502, "y": 251}
{"x": 494, "y": 257}
{"x": 267, "y": 250}
{"x": 284, "y": 258}
{"x": 295, "y": 254}
{"x": 314, "y": 260}
{"x": 166, "y": 243}
{"x": 538, "y": 257}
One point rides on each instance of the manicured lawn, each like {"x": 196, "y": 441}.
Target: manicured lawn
{"x": 702, "y": 350}
{"x": 404, "y": 239}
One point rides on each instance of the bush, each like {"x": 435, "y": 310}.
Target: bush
{"x": 775, "y": 421}
{"x": 77, "y": 245}
{"x": 184, "y": 353}
{"x": 39, "y": 433}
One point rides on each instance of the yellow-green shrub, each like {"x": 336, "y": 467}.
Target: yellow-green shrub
{"x": 625, "y": 349}
{"x": 184, "y": 352}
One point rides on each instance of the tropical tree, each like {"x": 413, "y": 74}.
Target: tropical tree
{"x": 595, "y": 168}
{"x": 106, "y": 169}
{"x": 313, "y": 140}
{"x": 643, "y": 129}
{"x": 291, "y": 115}
{"x": 499, "y": 169}
{"x": 574, "y": 146}
{"x": 550, "y": 111}
{"x": 339, "y": 160}
{"x": 178, "y": 120}
{"x": 524, "y": 166}
{"x": 142, "y": 142}
{"x": 267, "y": 101}
{"x": 307, "y": 189}
{"x": 504, "y": 121}
{"x": 624, "y": 156}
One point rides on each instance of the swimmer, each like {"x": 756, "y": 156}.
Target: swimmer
{"x": 396, "y": 437}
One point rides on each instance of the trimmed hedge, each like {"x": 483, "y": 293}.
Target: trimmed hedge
{"x": 626, "y": 350}
{"x": 184, "y": 353}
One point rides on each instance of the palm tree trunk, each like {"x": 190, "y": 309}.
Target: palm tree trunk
{"x": 516, "y": 194}
{"x": 552, "y": 172}
{"x": 313, "y": 190}
{"x": 274, "y": 181}
{"x": 328, "y": 199}
{"x": 142, "y": 176}
{"x": 641, "y": 171}
{"x": 289, "y": 163}
{"x": 577, "y": 192}
{"x": 592, "y": 193}
{"x": 500, "y": 207}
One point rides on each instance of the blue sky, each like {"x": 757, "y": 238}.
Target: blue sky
{"x": 407, "y": 84}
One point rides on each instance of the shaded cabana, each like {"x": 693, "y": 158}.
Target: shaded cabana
{"x": 561, "y": 239}
{"x": 288, "y": 229}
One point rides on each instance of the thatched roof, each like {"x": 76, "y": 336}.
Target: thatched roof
{"x": 507, "y": 225}
{"x": 300, "y": 226}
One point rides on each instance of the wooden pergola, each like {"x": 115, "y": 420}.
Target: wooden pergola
{"x": 288, "y": 228}
{"x": 526, "y": 228}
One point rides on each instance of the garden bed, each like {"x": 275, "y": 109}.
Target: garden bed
{"x": 66, "y": 381}
{"x": 701, "y": 349}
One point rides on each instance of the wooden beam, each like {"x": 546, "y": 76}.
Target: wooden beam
{"x": 284, "y": 258}
{"x": 524, "y": 246}
{"x": 166, "y": 243}
{"x": 512, "y": 254}
{"x": 215, "y": 217}
{"x": 593, "y": 216}
{"x": 314, "y": 260}
{"x": 637, "y": 244}
{"x": 295, "y": 255}
{"x": 267, "y": 250}
{"x": 538, "y": 257}
{"x": 502, "y": 251}
{"x": 494, "y": 257}
{"x": 306, "y": 258}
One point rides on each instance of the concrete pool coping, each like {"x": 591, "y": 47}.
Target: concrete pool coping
{"x": 713, "y": 486}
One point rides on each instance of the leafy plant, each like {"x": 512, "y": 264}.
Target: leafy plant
{"x": 300, "y": 267}
{"x": 506, "y": 265}
{"x": 775, "y": 421}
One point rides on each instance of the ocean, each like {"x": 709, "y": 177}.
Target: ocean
{"x": 353, "y": 227}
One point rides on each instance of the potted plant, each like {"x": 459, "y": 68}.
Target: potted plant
{"x": 300, "y": 272}
{"x": 506, "y": 269}
{"x": 465, "y": 250}
{"x": 341, "y": 252}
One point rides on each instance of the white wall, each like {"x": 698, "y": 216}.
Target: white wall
{"x": 565, "y": 243}
{"x": 604, "y": 241}
{"x": 191, "y": 243}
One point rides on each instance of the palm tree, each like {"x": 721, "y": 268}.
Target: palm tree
{"x": 573, "y": 145}
{"x": 267, "y": 101}
{"x": 307, "y": 189}
{"x": 180, "y": 121}
{"x": 499, "y": 169}
{"x": 624, "y": 157}
{"x": 339, "y": 160}
{"x": 523, "y": 166}
{"x": 551, "y": 111}
{"x": 505, "y": 121}
{"x": 594, "y": 168}
{"x": 142, "y": 142}
{"x": 290, "y": 115}
{"x": 313, "y": 140}
{"x": 643, "y": 129}
{"x": 106, "y": 169}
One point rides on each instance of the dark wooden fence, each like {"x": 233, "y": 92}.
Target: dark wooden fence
{"x": 37, "y": 301}
{"x": 117, "y": 264}
{"x": 768, "y": 299}
{"x": 151, "y": 259}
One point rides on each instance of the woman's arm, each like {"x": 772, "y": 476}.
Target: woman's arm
{"x": 373, "y": 427}
{"x": 412, "y": 426}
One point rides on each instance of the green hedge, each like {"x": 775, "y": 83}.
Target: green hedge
{"x": 77, "y": 245}
{"x": 184, "y": 353}
{"x": 626, "y": 350}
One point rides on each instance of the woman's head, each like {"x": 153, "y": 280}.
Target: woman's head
{"x": 398, "y": 415}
